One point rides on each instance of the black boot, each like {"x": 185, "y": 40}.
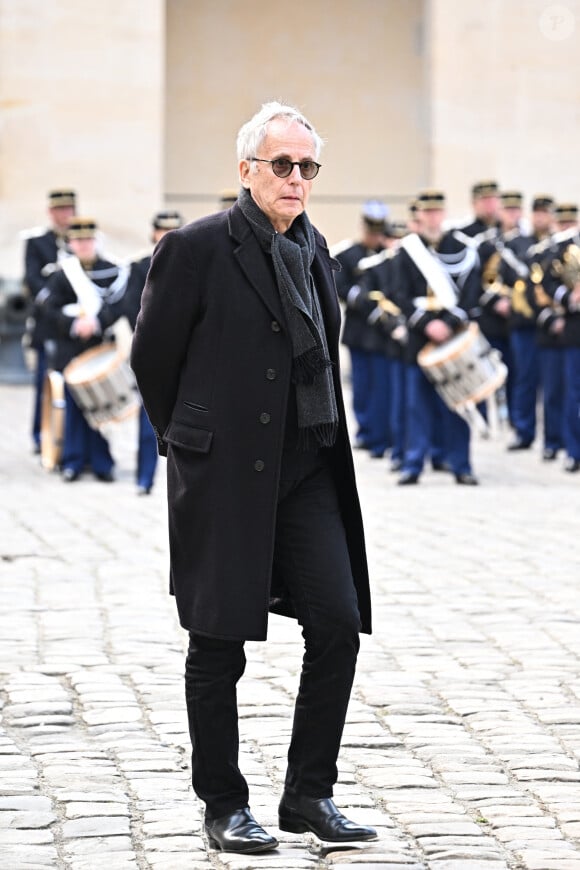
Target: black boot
{"x": 320, "y": 816}
{"x": 238, "y": 832}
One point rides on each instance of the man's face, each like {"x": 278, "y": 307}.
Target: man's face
{"x": 487, "y": 208}
{"x": 542, "y": 219}
{"x": 510, "y": 217}
{"x": 430, "y": 222}
{"x": 60, "y": 216}
{"x": 84, "y": 249}
{"x": 281, "y": 199}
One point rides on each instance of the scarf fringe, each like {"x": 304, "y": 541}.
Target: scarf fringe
{"x": 322, "y": 435}
{"x": 308, "y": 365}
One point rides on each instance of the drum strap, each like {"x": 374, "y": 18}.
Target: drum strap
{"x": 432, "y": 270}
{"x": 87, "y": 293}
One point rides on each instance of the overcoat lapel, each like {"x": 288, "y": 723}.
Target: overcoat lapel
{"x": 254, "y": 264}
{"x": 322, "y": 274}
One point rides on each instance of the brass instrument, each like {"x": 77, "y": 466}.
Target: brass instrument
{"x": 391, "y": 316}
{"x": 568, "y": 269}
{"x": 491, "y": 270}
{"x": 520, "y": 303}
{"x": 384, "y": 303}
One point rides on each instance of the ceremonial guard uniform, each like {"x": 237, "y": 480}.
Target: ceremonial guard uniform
{"x": 376, "y": 280}
{"x": 147, "y": 441}
{"x": 82, "y": 300}
{"x": 365, "y": 345}
{"x": 437, "y": 284}
{"x": 44, "y": 249}
{"x": 486, "y": 204}
{"x": 561, "y": 283}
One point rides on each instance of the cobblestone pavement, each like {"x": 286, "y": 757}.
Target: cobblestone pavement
{"x": 463, "y": 737}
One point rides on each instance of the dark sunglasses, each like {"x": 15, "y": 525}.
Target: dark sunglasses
{"x": 282, "y": 167}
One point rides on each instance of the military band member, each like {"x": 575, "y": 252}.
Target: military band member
{"x": 82, "y": 300}
{"x": 147, "y": 455}
{"x": 365, "y": 347}
{"x": 387, "y": 398}
{"x": 486, "y": 210}
{"x": 561, "y": 282}
{"x": 514, "y": 273}
{"x": 44, "y": 249}
{"x": 437, "y": 284}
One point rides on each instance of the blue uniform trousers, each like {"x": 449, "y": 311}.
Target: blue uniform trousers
{"x": 39, "y": 375}
{"x": 552, "y": 381}
{"x": 146, "y": 451}
{"x": 361, "y": 384}
{"x": 526, "y": 380}
{"x": 432, "y": 428}
{"x": 379, "y": 407}
{"x": 83, "y": 446}
{"x": 398, "y": 392}
{"x": 503, "y": 345}
{"x": 572, "y": 402}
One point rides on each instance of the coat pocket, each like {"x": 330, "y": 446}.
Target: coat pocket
{"x": 190, "y": 437}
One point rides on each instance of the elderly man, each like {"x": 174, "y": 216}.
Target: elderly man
{"x": 236, "y": 357}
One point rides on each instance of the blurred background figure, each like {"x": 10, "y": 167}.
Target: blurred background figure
{"x": 365, "y": 345}
{"x": 44, "y": 250}
{"x": 486, "y": 208}
{"x": 80, "y": 302}
{"x": 162, "y": 223}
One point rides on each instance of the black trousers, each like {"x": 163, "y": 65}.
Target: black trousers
{"x": 312, "y": 556}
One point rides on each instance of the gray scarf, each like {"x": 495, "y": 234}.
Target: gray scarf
{"x": 292, "y": 254}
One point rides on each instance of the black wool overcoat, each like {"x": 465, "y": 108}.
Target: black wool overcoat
{"x": 212, "y": 358}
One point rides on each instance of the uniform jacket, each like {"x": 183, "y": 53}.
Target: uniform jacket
{"x": 410, "y": 285}
{"x": 213, "y": 359}
{"x": 357, "y": 333}
{"x": 135, "y": 285}
{"x": 40, "y": 252}
{"x": 59, "y": 320}
{"x": 558, "y": 289}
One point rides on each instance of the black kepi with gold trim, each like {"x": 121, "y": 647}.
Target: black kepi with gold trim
{"x": 542, "y": 202}
{"x": 81, "y": 228}
{"x": 62, "y": 198}
{"x": 511, "y": 199}
{"x": 485, "y": 188}
{"x": 167, "y": 220}
{"x": 566, "y": 211}
{"x": 429, "y": 200}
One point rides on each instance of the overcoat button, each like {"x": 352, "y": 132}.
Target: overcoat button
{"x": 271, "y": 374}
{"x": 259, "y": 465}
{"x": 265, "y": 418}
{"x": 275, "y": 326}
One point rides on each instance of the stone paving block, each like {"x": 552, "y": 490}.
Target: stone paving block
{"x": 177, "y": 861}
{"x": 29, "y": 857}
{"x": 95, "y": 826}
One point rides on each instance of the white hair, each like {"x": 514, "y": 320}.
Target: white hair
{"x": 253, "y": 132}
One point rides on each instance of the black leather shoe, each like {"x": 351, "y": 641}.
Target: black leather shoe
{"x": 408, "y": 479}
{"x": 440, "y": 466}
{"x": 105, "y": 476}
{"x": 519, "y": 444}
{"x": 467, "y": 479}
{"x": 69, "y": 475}
{"x": 572, "y": 465}
{"x": 549, "y": 453}
{"x": 298, "y": 815}
{"x": 144, "y": 490}
{"x": 238, "y": 832}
